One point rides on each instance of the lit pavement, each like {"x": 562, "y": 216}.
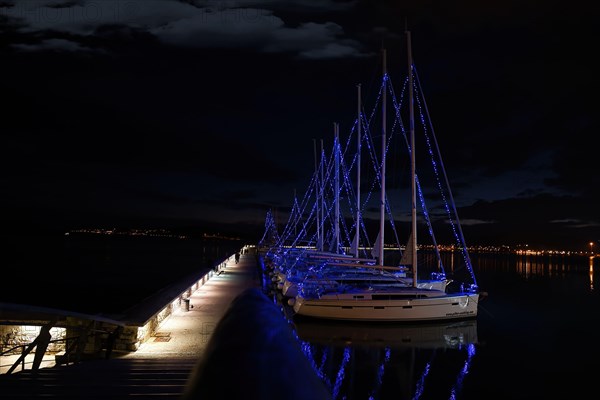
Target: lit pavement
{"x": 185, "y": 334}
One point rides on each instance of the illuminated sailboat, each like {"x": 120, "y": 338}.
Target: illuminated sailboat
{"x": 401, "y": 301}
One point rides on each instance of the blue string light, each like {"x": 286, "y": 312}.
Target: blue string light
{"x": 303, "y": 226}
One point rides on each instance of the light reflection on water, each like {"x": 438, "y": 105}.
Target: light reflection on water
{"x": 390, "y": 360}
{"x": 527, "y": 265}
{"x": 592, "y": 273}
{"x": 362, "y": 360}
{"x": 534, "y": 337}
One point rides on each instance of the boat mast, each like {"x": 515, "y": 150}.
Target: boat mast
{"x": 412, "y": 160}
{"x": 383, "y": 144}
{"x": 322, "y": 190}
{"x": 317, "y": 246}
{"x": 336, "y": 146}
{"x": 358, "y": 151}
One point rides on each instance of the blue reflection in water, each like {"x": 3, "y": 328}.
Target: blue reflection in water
{"x": 307, "y": 349}
{"x": 324, "y": 358}
{"x": 380, "y": 372}
{"x": 463, "y": 372}
{"x": 341, "y": 372}
{"x": 335, "y": 366}
{"x": 421, "y": 382}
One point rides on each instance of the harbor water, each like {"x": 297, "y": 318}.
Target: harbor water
{"x": 101, "y": 274}
{"x": 535, "y": 337}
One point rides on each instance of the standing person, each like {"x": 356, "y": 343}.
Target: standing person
{"x": 41, "y": 341}
{"x": 237, "y": 257}
{"x": 111, "y": 341}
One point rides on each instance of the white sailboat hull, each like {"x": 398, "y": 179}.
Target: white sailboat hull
{"x": 365, "y": 307}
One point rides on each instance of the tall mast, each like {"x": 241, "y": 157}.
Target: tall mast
{"x": 336, "y": 146}
{"x": 317, "y": 195}
{"x": 322, "y": 190}
{"x": 295, "y": 223}
{"x": 358, "y": 151}
{"x": 383, "y": 145}
{"x": 412, "y": 159}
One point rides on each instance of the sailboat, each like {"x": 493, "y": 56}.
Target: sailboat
{"x": 318, "y": 268}
{"x": 403, "y": 300}
{"x": 321, "y": 267}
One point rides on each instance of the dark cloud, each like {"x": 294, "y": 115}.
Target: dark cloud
{"x": 553, "y": 221}
{"x": 232, "y": 25}
{"x": 170, "y": 110}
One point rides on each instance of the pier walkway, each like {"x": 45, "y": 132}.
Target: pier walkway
{"x": 161, "y": 366}
{"x": 184, "y": 333}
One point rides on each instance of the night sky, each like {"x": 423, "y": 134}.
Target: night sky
{"x": 131, "y": 113}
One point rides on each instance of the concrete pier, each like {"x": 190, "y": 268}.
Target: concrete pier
{"x": 226, "y": 324}
{"x": 186, "y": 333}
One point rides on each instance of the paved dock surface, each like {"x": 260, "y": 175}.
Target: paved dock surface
{"x": 186, "y": 333}
{"x": 161, "y": 366}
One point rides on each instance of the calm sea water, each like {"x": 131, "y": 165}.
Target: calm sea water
{"x": 100, "y": 274}
{"x": 535, "y": 337}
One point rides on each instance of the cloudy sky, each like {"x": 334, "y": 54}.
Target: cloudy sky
{"x": 179, "y": 113}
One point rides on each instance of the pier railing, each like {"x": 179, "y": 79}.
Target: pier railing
{"x": 66, "y": 337}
